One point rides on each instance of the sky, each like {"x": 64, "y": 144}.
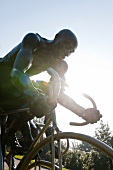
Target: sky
{"x": 90, "y": 67}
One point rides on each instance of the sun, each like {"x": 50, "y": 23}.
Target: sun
{"x": 79, "y": 82}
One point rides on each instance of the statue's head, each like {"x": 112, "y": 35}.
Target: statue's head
{"x": 66, "y": 42}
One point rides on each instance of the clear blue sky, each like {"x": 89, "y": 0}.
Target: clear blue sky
{"x": 92, "y": 21}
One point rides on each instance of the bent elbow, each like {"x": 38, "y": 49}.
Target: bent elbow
{"x": 15, "y": 76}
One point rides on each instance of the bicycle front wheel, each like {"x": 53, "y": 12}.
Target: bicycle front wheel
{"x": 64, "y": 135}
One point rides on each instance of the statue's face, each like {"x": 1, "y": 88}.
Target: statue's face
{"x": 64, "y": 48}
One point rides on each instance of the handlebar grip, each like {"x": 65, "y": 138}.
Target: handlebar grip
{"x": 94, "y": 106}
{"x": 78, "y": 124}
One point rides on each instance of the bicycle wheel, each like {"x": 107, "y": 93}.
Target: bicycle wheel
{"x": 64, "y": 135}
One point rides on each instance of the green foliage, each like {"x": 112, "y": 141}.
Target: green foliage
{"x": 103, "y": 133}
{"x": 85, "y": 147}
{"x": 73, "y": 160}
{"x": 96, "y": 161}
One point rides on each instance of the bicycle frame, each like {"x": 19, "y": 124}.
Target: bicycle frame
{"x": 27, "y": 156}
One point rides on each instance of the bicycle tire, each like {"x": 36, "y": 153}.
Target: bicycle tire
{"x": 64, "y": 135}
{"x": 43, "y": 164}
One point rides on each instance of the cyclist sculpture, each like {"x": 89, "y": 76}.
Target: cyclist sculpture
{"x": 30, "y": 57}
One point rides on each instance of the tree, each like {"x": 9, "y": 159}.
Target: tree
{"x": 100, "y": 160}
{"x": 84, "y": 146}
{"x": 103, "y": 133}
{"x": 73, "y": 160}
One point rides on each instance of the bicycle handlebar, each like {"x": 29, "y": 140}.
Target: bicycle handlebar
{"x": 94, "y": 106}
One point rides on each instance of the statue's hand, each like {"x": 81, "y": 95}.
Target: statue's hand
{"x": 91, "y": 115}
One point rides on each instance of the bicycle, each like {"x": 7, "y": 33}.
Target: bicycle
{"x": 58, "y": 137}
{"x": 26, "y": 162}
